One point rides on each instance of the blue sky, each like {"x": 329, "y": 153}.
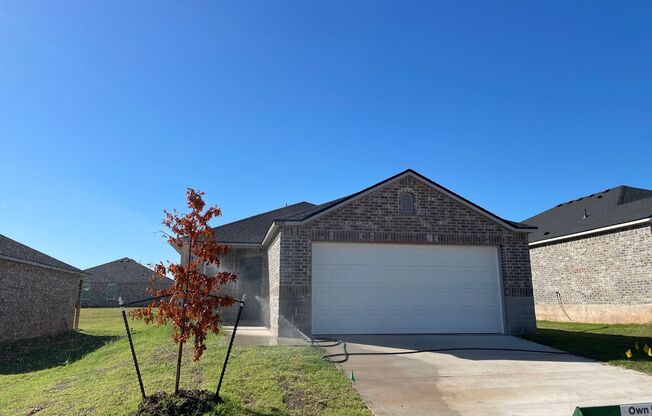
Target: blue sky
{"x": 109, "y": 110}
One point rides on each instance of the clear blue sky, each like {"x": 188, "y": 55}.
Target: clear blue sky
{"x": 109, "y": 110}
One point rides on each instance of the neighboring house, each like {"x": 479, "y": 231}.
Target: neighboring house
{"x": 124, "y": 278}
{"x": 593, "y": 255}
{"x": 403, "y": 256}
{"x": 39, "y": 294}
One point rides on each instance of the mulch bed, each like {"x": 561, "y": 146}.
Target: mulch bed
{"x": 186, "y": 403}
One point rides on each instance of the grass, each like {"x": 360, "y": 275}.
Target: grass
{"x": 602, "y": 342}
{"x": 91, "y": 373}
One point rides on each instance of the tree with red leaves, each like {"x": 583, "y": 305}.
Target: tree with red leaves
{"x": 191, "y": 301}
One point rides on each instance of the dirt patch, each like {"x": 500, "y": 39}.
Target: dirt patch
{"x": 297, "y": 398}
{"x": 163, "y": 354}
{"x": 37, "y": 408}
{"x": 187, "y": 403}
{"x": 197, "y": 375}
{"x": 60, "y": 386}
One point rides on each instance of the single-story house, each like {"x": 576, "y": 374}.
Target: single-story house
{"x": 124, "y": 278}
{"x": 405, "y": 255}
{"x": 40, "y": 294}
{"x": 592, "y": 258}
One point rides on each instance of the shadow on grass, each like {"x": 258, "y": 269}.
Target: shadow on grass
{"x": 35, "y": 354}
{"x": 600, "y": 347}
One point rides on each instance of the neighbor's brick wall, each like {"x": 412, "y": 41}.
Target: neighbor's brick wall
{"x": 36, "y": 301}
{"x": 375, "y": 218}
{"x": 609, "y": 268}
{"x": 129, "y": 291}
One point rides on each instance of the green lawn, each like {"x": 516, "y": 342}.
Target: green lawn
{"x": 91, "y": 373}
{"x": 602, "y": 342}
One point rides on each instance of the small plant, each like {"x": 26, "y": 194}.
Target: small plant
{"x": 190, "y": 302}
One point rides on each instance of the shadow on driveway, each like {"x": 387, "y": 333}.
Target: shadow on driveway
{"x": 474, "y": 347}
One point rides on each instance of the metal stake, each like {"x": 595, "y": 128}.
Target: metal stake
{"x": 131, "y": 344}
{"x": 228, "y": 351}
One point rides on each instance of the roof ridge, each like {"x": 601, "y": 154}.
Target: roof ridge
{"x": 121, "y": 260}
{"x": 265, "y": 213}
{"x": 328, "y": 205}
{"x": 58, "y": 264}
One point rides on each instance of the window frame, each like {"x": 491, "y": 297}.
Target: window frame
{"x": 412, "y": 202}
{"x": 86, "y": 291}
{"x": 115, "y": 293}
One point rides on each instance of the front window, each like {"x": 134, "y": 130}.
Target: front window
{"x": 111, "y": 291}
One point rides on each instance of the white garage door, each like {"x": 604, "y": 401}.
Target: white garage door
{"x": 393, "y": 289}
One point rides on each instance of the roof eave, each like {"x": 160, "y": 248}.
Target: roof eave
{"x": 525, "y": 229}
{"x": 593, "y": 231}
{"x": 45, "y": 266}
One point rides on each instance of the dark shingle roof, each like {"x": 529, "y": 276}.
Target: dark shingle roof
{"x": 14, "y": 250}
{"x": 254, "y": 229}
{"x": 121, "y": 270}
{"x": 613, "y": 206}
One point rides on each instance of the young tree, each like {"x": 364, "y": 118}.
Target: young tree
{"x": 191, "y": 301}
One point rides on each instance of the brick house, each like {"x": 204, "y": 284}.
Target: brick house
{"x": 593, "y": 255}
{"x": 123, "y": 277}
{"x": 39, "y": 293}
{"x": 403, "y": 256}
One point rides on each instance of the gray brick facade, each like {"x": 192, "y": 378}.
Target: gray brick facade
{"x": 604, "y": 277}
{"x": 374, "y": 218}
{"x": 36, "y": 301}
{"x": 124, "y": 278}
{"x": 274, "y": 261}
{"x": 250, "y": 264}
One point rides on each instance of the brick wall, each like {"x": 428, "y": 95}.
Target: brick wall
{"x": 274, "y": 262}
{"x": 613, "y": 268}
{"x": 36, "y": 301}
{"x": 374, "y": 218}
{"x": 250, "y": 264}
{"x": 129, "y": 291}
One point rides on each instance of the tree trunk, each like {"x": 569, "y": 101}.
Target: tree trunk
{"x": 183, "y": 324}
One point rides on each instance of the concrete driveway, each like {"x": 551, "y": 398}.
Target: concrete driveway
{"x": 482, "y": 382}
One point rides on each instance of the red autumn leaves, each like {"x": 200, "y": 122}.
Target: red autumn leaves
{"x": 193, "y": 298}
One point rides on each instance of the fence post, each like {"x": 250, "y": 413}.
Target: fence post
{"x": 78, "y": 305}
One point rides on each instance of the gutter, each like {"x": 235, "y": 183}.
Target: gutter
{"x": 594, "y": 231}
{"x": 45, "y": 266}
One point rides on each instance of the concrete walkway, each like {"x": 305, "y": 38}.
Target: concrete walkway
{"x": 259, "y": 335}
{"x": 482, "y": 382}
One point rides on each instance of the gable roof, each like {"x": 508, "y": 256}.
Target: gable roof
{"x": 320, "y": 209}
{"x": 121, "y": 270}
{"x": 254, "y": 230}
{"x": 619, "y": 205}
{"x": 13, "y": 250}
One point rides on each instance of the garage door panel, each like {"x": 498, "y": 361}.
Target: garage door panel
{"x": 374, "y": 288}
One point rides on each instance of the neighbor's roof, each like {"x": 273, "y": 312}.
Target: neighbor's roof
{"x": 121, "y": 270}
{"x": 253, "y": 230}
{"x": 13, "y": 250}
{"x": 614, "y": 206}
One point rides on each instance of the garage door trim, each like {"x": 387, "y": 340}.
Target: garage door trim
{"x": 491, "y": 282}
